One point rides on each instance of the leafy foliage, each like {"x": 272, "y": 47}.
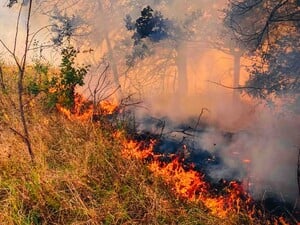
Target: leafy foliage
{"x": 70, "y": 77}
{"x": 64, "y": 26}
{"x": 39, "y": 82}
{"x": 280, "y": 74}
{"x": 151, "y": 24}
{"x": 11, "y": 3}
{"x": 269, "y": 31}
{"x": 59, "y": 88}
{"x": 152, "y": 27}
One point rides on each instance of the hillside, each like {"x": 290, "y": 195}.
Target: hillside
{"x": 150, "y": 112}
{"x": 80, "y": 177}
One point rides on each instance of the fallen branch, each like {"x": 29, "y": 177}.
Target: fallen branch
{"x": 199, "y": 117}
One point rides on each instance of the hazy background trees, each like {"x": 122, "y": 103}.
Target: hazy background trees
{"x": 269, "y": 32}
{"x": 152, "y": 25}
{"x": 165, "y": 61}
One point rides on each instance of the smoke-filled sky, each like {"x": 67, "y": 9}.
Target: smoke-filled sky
{"x": 7, "y": 23}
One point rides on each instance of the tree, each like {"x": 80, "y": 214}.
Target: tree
{"x": 70, "y": 77}
{"x": 108, "y": 15}
{"x": 150, "y": 25}
{"x": 269, "y": 31}
{"x": 215, "y": 37}
{"x": 256, "y": 23}
{"x": 152, "y": 28}
{"x": 103, "y": 24}
{"x": 111, "y": 55}
{"x": 21, "y": 66}
{"x": 24, "y": 90}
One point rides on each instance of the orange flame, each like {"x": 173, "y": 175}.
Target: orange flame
{"x": 247, "y": 161}
{"x": 190, "y": 184}
{"x": 187, "y": 183}
{"x": 84, "y": 110}
{"x": 108, "y": 107}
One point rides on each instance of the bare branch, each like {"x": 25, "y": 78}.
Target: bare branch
{"x": 199, "y": 117}
{"x": 11, "y": 53}
{"x": 36, "y": 33}
{"x": 17, "y": 29}
{"x": 236, "y": 88}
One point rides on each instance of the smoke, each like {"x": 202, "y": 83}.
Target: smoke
{"x": 266, "y": 149}
{"x": 260, "y": 151}
{"x": 256, "y": 144}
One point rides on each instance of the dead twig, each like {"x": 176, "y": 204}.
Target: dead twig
{"x": 15, "y": 131}
{"x": 199, "y": 117}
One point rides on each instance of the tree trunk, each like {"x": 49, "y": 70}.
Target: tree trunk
{"x": 114, "y": 67}
{"x": 26, "y": 137}
{"x": 21, "y": 85}
{"x": 236, "y": 73}
{"x": 298, "y": 171}
{"x": 181, "y": 62}
{"x": 111, "y": 57}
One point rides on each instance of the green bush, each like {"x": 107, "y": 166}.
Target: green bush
{"x": 60, "y": 88}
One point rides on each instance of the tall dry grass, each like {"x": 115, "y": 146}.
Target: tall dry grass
{"x": 80, "y": 177}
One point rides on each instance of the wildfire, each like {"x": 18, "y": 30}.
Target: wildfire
{"x": 247, "y": 161}
{"x": 84, "y": 110}
{"x": 190, "y": 184}
{"x": 187, "y": 183}
{"x": 108, "y": 107}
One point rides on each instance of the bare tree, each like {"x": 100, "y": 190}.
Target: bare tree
{"x": 21, "y": 66}
{"x": 269, "y": 31}
{"x": 256, "y": 22}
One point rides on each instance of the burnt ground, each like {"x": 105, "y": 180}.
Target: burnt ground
{"x": 181, "y": 140}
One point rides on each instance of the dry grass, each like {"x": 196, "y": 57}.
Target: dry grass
{"x": 80, "y": 177}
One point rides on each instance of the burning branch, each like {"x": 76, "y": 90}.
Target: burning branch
{"x": 102, "y": 90}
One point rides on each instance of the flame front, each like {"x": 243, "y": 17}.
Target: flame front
{"x": 186, "y": 182}
{"x": 84, "y": 110}
{"x": 189, "y": 184}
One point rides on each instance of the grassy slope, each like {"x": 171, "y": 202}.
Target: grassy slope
{"x": 80, "y": 177}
